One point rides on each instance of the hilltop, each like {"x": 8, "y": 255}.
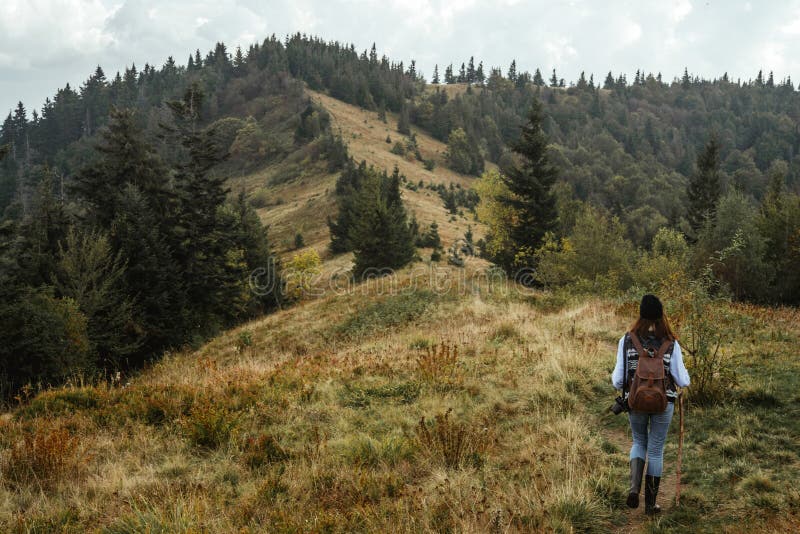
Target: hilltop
{"x": 475, "y": 409}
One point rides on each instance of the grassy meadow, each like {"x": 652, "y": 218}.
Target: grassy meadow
{"x": 482, "y": 408}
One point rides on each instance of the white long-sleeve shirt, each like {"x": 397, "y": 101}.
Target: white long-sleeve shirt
{"x": 676, "y": 367}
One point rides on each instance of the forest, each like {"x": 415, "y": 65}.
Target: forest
{"x": 121, "y": 235}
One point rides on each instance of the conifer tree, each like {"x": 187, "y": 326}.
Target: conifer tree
{"x": 705, "y": 188}
{"x": 125, "y": 159}
{"x": 448, "y": 75}
{"x": 512, "y": 71}
{"x": 462, "y": 74}
{"x": 554, "y": 79}
{"x": 381, "y": 236}
{"x": 538, "y": 80}
{"x": 480, "y": 77}
{"x": 609, "y": 81}
{"x": 471, "y": 70}
{"x": 435, "y": 79}
{"x": 530, "y": 184}
{"x": 686, "y": 82}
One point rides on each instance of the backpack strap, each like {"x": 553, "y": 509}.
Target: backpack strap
{"x": 663, "y": 349}
{"x": 637, "y": 344}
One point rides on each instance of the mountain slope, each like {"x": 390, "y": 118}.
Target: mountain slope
{"x": 471, "y": 409}
{"x": 304, "y": 201}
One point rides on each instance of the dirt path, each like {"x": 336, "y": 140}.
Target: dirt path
{"x": 636, "y": 519}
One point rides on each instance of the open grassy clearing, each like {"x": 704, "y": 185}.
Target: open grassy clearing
{"x": 297, "y": 193}
{"x": 471, "y": 410}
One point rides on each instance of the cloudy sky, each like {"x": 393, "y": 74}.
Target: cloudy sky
{"x": 46, "y": 43}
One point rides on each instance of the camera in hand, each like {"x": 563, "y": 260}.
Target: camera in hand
{"x": 619, "y": 406}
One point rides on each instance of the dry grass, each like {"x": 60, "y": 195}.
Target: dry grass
{"x": 304, "y": 199}
{"x": 478, "y": 414}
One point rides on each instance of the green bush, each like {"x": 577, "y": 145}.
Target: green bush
{"x": 43, "y": 341}
{"x": 596, "y": 256}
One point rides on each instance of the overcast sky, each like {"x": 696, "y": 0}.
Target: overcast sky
{"x": 46, "y": 43}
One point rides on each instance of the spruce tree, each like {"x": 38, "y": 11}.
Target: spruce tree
{"x": 554, "y": 79}
{"x": 538, "y": 80}
{"x": 480, "y": 77}
{"x": 609, "y": 81}
{"x": 705, "y": 188}
{"x": 435, "y": 79}
{"x": 471, "y": 70}
{"x": 530, "y": 184}
{"x": 448, "y": 75}
{"x": 512, "y": 71}
{"x": 381, "y": 235}
{"x": 125, "y": 159}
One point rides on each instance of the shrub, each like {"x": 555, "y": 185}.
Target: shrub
{"x": 596, "y": 255}
{"x": 705, "y": 332}
{"x": 398, "y": 149}
{"x": 260, "y": 199}
{"x": 43, "y": 340}
{"x": 61, "y": 402}
{"x": 209, "y": 425}
{"x": 44, "y": 457}
{"x": 300, "y": 273}
{"x": 454, "y": 445}
{"x": 262, "y": 450}
{"x": 438, "y": 363}
{"x": 463, "y": 154}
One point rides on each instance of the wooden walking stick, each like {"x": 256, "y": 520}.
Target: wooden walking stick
{"x": 680, "y": 451}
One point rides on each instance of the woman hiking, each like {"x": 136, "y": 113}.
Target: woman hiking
{"x": 649, "y": 395}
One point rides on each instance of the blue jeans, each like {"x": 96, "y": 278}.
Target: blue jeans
{"x": 650, "y": 445}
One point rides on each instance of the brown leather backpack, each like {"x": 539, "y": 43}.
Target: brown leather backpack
{"x": 648, "y": 391}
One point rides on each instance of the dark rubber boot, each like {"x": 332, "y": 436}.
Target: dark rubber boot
{"x": 637, "y": 469}
{"x": 650, "y": 492}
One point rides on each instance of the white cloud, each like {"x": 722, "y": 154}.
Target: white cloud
{"x": 792, "y": 27}
{"x": 680, "y": 9}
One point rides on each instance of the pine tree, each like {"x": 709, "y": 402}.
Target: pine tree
{"x": 480, "y": 77}
{"x": 530, "y": 184}
{"x": 93, "y": 275}
{"x": 203, "y": 235}
{"x": 435, "y": 79}
{"x": 143, "y": 238}
{"x": 760, "y": 79}
{"x": 582, "y": 83}
{"x": 705, "y": 188}
{"x": 125, "y": 159}
{"x": 554, "y": 79}
{"x": 448, "y": 75}
{"x": 609, "y": 81}
{"x": 471, "y": 70}
{"x": 238, "y": 62}
{"x": 462, "y": 74}
{"x": 381, "y": 236}
{"x": 686, "y": 82}
{"x": 512, "y": 71}
{"x": 537, "y": 78}
{"x": 412, "y": 70}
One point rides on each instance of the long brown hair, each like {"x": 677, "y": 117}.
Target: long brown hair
{"x": 660, "y": 327}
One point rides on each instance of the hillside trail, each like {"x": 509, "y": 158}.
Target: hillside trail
{"x": 637, "y": 521}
